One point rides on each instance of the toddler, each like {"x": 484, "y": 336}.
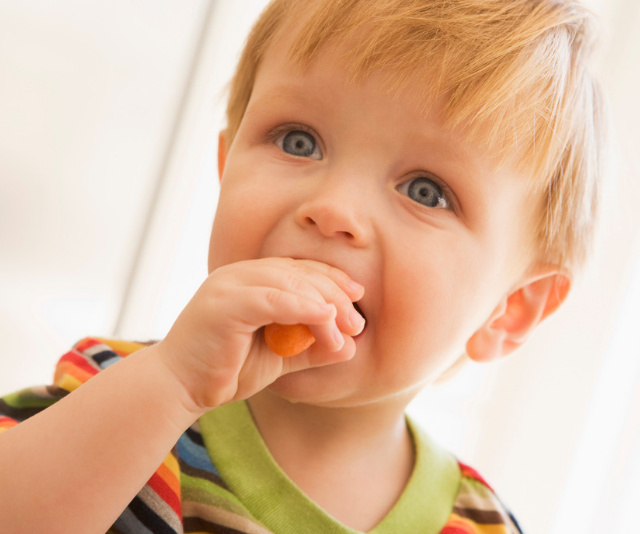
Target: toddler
{"x": 434, "y": 162}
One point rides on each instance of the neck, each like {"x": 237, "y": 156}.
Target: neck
{"x": 322, "y": 449}
{"x": 315, "y": 427}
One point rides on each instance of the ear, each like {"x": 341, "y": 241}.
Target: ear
{"x": 518, "y": 314}
{"x": 222, "y": 153}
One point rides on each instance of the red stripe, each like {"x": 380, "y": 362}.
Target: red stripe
{"x": 7, "y": 422}
{"x": 470, "y": 472}
{"x": 453, "y": 530}
{"x": 157, "y": 484}
{"x": 170, "y": 478}
{"x": 80, "y": 362}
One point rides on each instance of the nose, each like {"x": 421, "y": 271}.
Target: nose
{"x": 337, "y": 209}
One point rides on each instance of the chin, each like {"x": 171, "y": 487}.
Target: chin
{"x": 302, "y": 386}
{"x": 322, "y": 387}
{"x": 312, "y": 386}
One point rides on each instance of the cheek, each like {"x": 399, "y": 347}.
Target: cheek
{"x": 427, "y": 303}
{"x": 235, "y": 234}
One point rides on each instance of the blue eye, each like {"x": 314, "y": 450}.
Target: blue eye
{"x": 426, "y": 192}
{"x": 301, "y": 144}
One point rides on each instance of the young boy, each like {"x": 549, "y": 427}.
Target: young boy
{"x": 434, "y": 162}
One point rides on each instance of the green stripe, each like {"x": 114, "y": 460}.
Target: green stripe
{"x": 27, "y": 398}
{"x": 475, "y": 487}
{"x": 251, "y": 473}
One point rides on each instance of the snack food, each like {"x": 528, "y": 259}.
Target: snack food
{"x": 287, "y": 340}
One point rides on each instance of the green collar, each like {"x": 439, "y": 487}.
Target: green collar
{"x": 252, "y": 475}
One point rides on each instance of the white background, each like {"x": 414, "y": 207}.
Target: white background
{"x": 109, "y": 114}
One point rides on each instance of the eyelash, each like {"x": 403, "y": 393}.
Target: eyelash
{"x": 272, "y": 135}
{"x": 446, "y": 194}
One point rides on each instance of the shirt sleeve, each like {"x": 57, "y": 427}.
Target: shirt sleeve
{"x": 477, "y": 508}
{"x": 157, "y": 507}
{"x": 86, "y": 359}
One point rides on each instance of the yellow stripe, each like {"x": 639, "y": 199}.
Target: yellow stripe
{"x": 172, "y": 464}
{"x": 68, "y": 382}
{"x": 123, "y": 348}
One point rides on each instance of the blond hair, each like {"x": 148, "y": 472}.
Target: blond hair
{"x": 513, "y": 73}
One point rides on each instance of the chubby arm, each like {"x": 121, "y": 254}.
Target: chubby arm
{"x": 75, "y": 466}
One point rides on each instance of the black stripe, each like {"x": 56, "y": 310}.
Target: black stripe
{"x": 56, "y": 392}
{"x": 149, "y": 518}
{"x": 191, "y": 471}
{"x": 482, "y": 517}
{"x": 195, "y": 436}
{"x": 197, "y": 524}
{"x": 19, "y": 414}
{"x": 103, "y": 356}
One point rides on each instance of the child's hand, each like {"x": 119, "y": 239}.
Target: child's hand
{"x": 215, "y": 349}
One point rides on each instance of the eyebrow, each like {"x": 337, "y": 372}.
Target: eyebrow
{"x": 291, "y": 94}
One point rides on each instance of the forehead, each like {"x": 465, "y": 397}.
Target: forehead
{"x": 332, "y": 62}
{"x": 326, "y": 87}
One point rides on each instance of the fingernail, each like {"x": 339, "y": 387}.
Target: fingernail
{"x": 356, "y": 320}
{"x": 337, "y": 335}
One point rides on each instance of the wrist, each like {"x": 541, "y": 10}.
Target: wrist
{"x": 166, "y": 386}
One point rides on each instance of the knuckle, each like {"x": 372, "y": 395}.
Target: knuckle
{"x": 273, "y": 297}
{"x": 294, "y": 281}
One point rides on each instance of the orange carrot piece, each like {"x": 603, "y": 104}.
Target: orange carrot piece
{"x": 288, "y": 339}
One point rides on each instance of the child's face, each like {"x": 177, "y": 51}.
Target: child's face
{"x": 343, "y": 174}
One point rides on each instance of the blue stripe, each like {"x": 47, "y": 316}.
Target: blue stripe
{"x": 195, "y": 455}
{"x": 106, "y": 363}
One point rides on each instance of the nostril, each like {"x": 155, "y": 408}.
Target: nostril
{"x": 331, "y": 220}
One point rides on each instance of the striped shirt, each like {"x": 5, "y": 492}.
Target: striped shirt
{"x": 220, "y": 477}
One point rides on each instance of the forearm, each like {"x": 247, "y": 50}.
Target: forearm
{"x": 76, "y": 466}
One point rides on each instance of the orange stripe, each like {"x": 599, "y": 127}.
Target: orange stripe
{"x": 70, "y": 369}
{"x": 475, "y": 528}
{"x": 456, "y": 526}
{"x": 170, "y": 478}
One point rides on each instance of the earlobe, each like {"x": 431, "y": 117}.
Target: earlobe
{"x": 222, "y": 153}
{"x": 517, "y": 316}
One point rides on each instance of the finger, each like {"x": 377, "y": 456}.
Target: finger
{"x": 309, "y": 278}
{"x": 334, "y": 285}
{"x": 255, "y": 307}
{"x": 317, "y": 356}
{"x": 259, "y": 306}
{"x": 353, "y": 289}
